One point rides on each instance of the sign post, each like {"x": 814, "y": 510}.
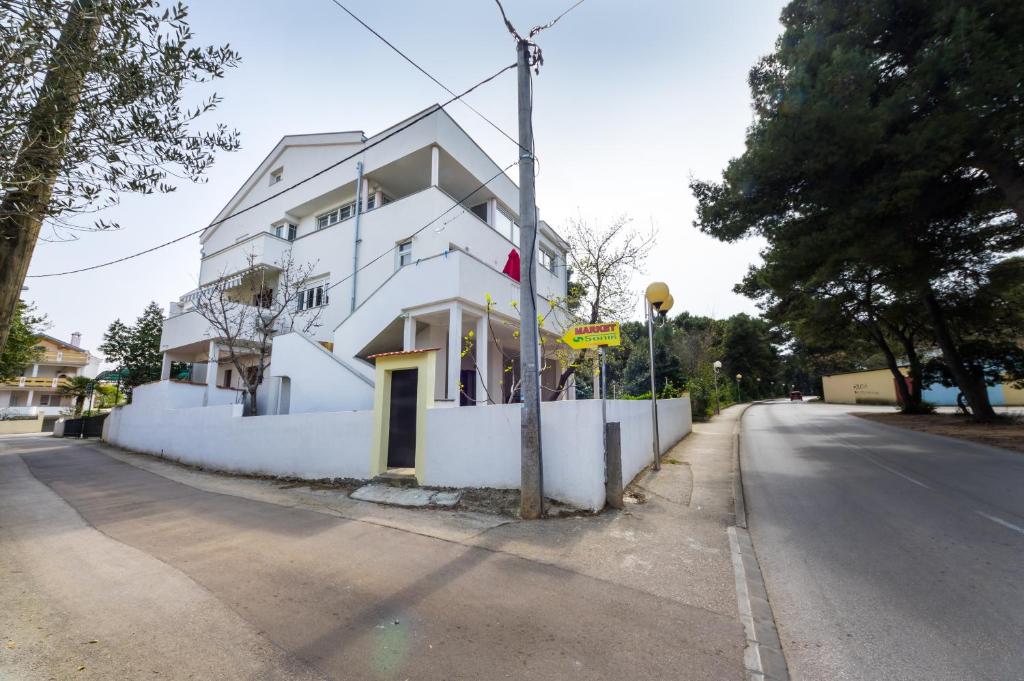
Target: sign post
{"x": 600, "y": 336}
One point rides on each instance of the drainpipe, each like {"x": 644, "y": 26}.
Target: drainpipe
{"x": 355, "y": 245}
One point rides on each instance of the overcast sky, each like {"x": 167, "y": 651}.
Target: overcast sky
{"x": 633, "y": 99}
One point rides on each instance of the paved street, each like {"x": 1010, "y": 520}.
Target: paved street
{"x": 129, "y": 574}
{"x": 888, "y": 554}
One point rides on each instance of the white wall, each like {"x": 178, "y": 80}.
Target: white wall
{"x": 319, "y": 380}
{"x": 465, "y": 447}
{"x": 309, "y": 446}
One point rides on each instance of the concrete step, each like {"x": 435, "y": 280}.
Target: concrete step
{"x": 398, "y": 477}
{"x": 405, "y": 496}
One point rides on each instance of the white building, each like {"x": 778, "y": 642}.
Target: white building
{"x": 38, "y": 390}
{"x": 412, "y": 268}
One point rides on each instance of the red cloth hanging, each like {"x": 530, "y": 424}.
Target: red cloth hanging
{"x": 512, "y": 265}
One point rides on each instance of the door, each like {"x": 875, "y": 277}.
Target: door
{"x": 402, "y": 420}
{"x": 467, "y": 396}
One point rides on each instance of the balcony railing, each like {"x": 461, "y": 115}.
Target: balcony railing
{"x": 32, "y": 382}
{"x": 65, "y": 357}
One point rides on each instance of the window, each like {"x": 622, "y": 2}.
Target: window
{"x": 264, "y": 298}
{"x": 227, "y": 378}
{"x": 276, "y": 176}
{"x": 405, "y": 253}
{"x": 49, "y": 400}
{"x": 286, "y": 231}
{"x": 547, "y": 259}
{"x": 316, "y": 295}
{"x": 505, "y": 225}
{"x": 371, "y": 202}
{"x": 335, "y": 216}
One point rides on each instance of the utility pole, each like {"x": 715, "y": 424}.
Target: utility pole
{"x": 532, "y": 480}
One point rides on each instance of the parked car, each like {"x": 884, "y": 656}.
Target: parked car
{"x": 796, "y": 396}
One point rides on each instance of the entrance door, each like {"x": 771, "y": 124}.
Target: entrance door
{"x": 402, "y": 422}
{"x": 467, "y": 396}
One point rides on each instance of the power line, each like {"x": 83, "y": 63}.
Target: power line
{"x": 426, "y": 73}
{"x": 303, "y": 181}
{"x": 455, "y": 204}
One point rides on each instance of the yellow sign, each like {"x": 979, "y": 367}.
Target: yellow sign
{"x": 592, "y": 335}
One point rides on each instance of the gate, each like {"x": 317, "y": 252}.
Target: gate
{"x": 87, "y": 426}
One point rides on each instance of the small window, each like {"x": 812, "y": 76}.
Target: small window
{"x": 44, "y": 400}
{"x": 547, "y": 260}
{"x": 371, "y": 202}
{"x": 227, "y": 378}
{"x": 405, "y": 253}
{"x": 276, "y": 176}
{"x": 314, "y": 296}
{"x": 286, "y": 231}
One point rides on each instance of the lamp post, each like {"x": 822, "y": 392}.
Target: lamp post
{"x": 718, "y": 367}
{"x": 738, "y": 377}
{"x": 657, "y": 300}
{"x": 758, "y": 389}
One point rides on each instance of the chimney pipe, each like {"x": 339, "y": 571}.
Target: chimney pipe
{"x": 76, "y": 339}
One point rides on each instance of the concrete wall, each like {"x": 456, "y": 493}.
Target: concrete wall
{"x": 862, "y": 387}
{"x": 464, "y": 447}
{"x": 479, "y": 446}
{"x": 309, "y": 446}
{"x": 317, "y": 379}
{"x": 17, "y": 426}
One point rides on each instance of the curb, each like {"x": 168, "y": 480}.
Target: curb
{"x": 763, "y": 657}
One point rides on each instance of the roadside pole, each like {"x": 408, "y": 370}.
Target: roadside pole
{"x": 532, "y": 477}
{"x": 654, "y": 390}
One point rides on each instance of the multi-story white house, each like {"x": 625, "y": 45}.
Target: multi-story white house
{"x": 408, "y": 234}
{"x": 38, "y": 390}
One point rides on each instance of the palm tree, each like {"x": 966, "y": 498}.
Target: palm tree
{"x": 77, "y": 387}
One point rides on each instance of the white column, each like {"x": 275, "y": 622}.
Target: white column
{"x": 35, "y": 370}
{"x": 409, "y": 333}
{"x": 211, "y": 372}
{"x": 492, "y": 212}
{"x": 435, "y": 165}
{"x": 364, "y": 193}
{"x": 165, "y": 367}
{"x": 28, "y": 402}
{"x": 454, "y": 351}
{"x": 480, "y": 347}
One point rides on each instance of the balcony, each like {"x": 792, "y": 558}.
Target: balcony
{"x": 64, "y": 358}
{"x": 35, "y": 382}
{"x": 189, "y": 332}
{"x": 262, "y": 249}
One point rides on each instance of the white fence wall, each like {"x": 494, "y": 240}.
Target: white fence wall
{"x": 465, "y": 447}
{"x": 310, "y": 446}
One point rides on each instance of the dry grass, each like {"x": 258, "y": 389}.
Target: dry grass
{"x": 1004, "y": 433}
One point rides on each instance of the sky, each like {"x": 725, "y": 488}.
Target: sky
{"x": 633, "y": 100}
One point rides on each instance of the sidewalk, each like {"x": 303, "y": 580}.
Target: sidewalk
{"x": 672, "y": 551}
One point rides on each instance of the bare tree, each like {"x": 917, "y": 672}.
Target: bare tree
{"x": 602, "y": 262}
{"x": 247, "y": 310}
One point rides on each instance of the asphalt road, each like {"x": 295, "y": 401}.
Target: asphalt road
{"x": 888, "y": 554}
{"x": 308, "y": 592}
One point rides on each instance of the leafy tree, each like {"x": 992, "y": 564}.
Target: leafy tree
{"x": 135, "y": 350}
{"x": 21, "y": 349}
{"x": 78, "y": 388}
{"x": 862, "y": 154}
{"x": 90, "y": 108}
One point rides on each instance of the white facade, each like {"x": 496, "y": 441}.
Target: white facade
{"x": 436, "y": 228}
{"x": 38, "y": 390}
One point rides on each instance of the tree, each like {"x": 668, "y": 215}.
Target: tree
{"x": 602, "y": 262}
{"x": 245, "y": 317}
{"x": 135, "y": 350}
{"x": 77, "y": 387}
{"x": 91, "y": 107}
{"x": 862, "y": 154}
{"x": 22, "y": 347}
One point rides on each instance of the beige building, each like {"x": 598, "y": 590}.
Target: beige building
{"x": 37, "y": 392}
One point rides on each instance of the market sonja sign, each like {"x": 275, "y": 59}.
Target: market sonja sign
{"x": 592, "y": 335}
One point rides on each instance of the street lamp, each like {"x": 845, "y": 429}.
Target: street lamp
{"x": 738, "y": 377}
{"x": 658, "y": 300}
{"x": 718, "y": 367}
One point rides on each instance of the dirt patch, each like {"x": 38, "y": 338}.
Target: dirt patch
{"x": 1006, "y": 432}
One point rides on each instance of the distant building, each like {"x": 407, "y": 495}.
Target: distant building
{"x": 878, "y": 386}
{"x": 38, "y": 390}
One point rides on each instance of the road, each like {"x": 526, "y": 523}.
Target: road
{"x": 888, "y": 554}
{"x": 117, "y": 572}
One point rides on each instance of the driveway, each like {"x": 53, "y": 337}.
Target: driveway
{"x": 888, "y": 554}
